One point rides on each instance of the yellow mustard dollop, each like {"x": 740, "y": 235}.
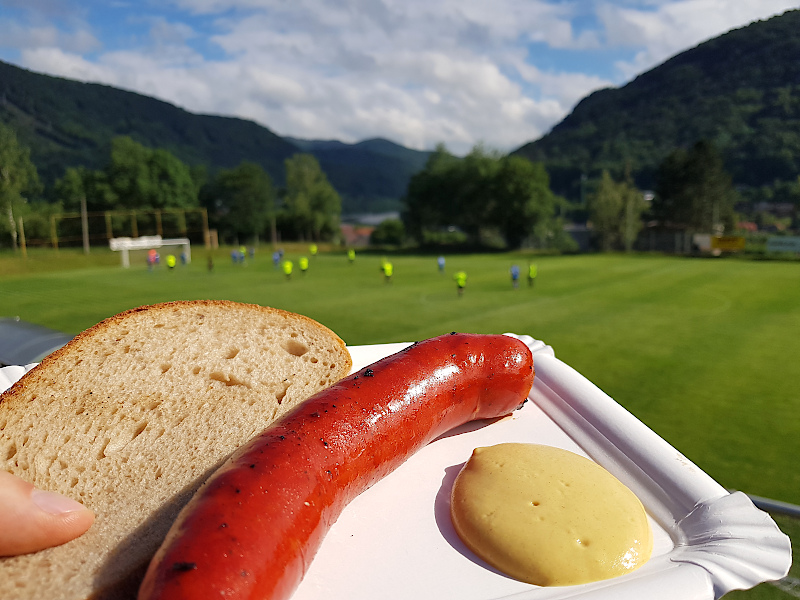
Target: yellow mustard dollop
{"x": 548, "y": 516}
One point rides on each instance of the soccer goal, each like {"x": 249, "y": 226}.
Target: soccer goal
{"x": 147, "y": 242}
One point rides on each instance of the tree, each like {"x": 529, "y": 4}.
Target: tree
{"x": 171, "y": 182}
{"x": 615, "y": 211}
{"x": 18, "y": 178}
{"x": 605, "y": 207}
{"x": 312, "y": 207}
{"x": 522, "y": 200}
{"x": 135, "y": 177}
{"x": 388, "y": 232}
{"x": 241, "y": 200}
{"x": 428, "y": 198}
{"x": 79, "y": 184}
{"x": 144, "y": 178}
{"x": 693, "y": 190}
{"x": 484, "y": 195}
{"x": 71, "y": 188}
{"x": 474, "y": 196}
{"x": 633, "y": 207}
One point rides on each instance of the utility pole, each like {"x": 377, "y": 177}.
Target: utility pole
{"x": 85, "y": 225}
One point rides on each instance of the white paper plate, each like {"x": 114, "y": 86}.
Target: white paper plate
{"x": 395, "y": 541}
{"x": 9, "y": 375}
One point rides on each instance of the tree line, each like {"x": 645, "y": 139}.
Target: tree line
{"x": 740, "y": 91}
{"x": 484, "y": 199}
{"x": 693, "y": 193}
{"x": 242, "y": 202}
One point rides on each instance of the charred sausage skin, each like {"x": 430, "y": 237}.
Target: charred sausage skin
{"x": 253, "y": 528}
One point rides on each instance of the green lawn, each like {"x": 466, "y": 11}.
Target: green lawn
{"x": 704, "y": 351}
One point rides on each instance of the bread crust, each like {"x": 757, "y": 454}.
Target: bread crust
{"x": 55, "y": 356}
{"x": 156, "y": 397}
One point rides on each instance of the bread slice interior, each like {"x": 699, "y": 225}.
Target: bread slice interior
{"x": 132, "y": 416}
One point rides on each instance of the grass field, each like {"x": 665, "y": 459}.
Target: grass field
{"x": 704, "y": 351}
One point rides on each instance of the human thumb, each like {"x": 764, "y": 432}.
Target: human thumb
{"x": 32, "y": 519}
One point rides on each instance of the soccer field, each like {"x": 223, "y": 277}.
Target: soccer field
{"x": 704, "y": 351}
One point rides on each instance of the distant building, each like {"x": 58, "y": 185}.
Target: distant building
{"x": 779, "y": 209}
{"x": 747, "y": 226}
{"x": 356, "y": 229}
{"x": 356, "y": 235}
{"x": 373, "y": 219}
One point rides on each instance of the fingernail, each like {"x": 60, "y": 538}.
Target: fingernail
{"x": 53, "y": 503}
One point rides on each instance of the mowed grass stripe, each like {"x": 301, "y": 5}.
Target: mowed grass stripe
{"x": 703, "y": 351}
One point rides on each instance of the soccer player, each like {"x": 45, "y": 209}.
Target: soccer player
{"x": 532, "y": 272}
{"x": 288, "y": 266}
{"x": 461, "y": 281}
{"x": 515, "y": 276}
{"x": 388, "y": 271}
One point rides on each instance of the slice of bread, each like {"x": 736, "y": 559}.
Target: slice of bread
{"x": 132, "y": 415}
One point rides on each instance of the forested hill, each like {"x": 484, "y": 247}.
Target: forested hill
{"x": 69, "y": 123}
{"x": 740, "y": 91}
{"x": 374, "y": 172}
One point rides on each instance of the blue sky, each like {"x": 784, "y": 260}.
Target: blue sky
{"x": 418, "y": 72}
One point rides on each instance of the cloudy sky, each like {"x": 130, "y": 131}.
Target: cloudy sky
{"x": 418, "y": 72}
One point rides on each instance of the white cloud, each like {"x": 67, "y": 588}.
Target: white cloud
{"x": 419, "y": 72}
{"x": 43, "y": 8}
{"x": 17, "y": 36}
{"x": 445, "y": 63}
{"x": 673, "y": 27}
{"x": 59, "y": 62}
{"x": 565, "y": 88}
{"x": 162, "y": 32}
{"x": 415, "y": 71}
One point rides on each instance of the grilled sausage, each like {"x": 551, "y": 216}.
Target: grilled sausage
{"x": 252, "y": 530}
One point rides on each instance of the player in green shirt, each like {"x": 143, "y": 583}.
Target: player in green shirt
{"x": 461, "y": 281}
{"x": 388, "y": 271}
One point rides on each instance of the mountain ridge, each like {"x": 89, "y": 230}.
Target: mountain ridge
{"x": 67, "y": 123}
{"x": 740, "y": 90}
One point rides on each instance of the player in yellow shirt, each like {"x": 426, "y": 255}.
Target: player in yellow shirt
{"x": 533, "y": 271}
{"x": 461, "y": 281}
{"x": 388, "y": 271}
{"x": 288, "y": 267}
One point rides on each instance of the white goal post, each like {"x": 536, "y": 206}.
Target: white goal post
{"x": 147, "y": 242}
